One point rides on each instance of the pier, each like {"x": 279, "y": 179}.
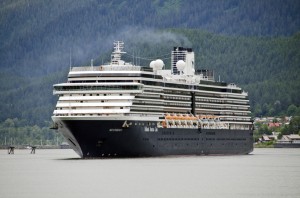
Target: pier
{"x": 11, "y": 150}
{"x": 33, "y": 149}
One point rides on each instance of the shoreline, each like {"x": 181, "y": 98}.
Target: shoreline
{"x": 22, "y": 147}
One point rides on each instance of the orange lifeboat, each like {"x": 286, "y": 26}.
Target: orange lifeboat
{"x": 168, "y": 116}
{"x": 193, "y": 118}
{"x": 181, "y": 117}
{"x": 210, "y": 117}
{"x": 202, "y": 117}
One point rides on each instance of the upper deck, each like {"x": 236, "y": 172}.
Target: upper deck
{"x": 119, "y": 88}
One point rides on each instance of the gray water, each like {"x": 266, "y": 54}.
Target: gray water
{"x": 59, "y": 173}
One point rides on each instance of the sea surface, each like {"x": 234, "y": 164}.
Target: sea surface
{"x": 60, "y": 173}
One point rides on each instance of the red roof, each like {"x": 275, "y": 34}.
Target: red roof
{"x": 272, "y": 124}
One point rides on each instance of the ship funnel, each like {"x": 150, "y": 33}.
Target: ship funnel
{"x": 185, "y": 57}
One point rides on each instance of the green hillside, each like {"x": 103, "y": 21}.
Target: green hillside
{"x": 40, "y": 34}
{"x": 254, "y": 44}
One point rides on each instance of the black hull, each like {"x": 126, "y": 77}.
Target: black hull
{"x": 101, "y": 138}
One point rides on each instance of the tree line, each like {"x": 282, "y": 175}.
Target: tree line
{"x": 18, "y": 132}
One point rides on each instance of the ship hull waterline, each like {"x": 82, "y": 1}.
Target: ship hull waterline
{"x": 109, "y": 138}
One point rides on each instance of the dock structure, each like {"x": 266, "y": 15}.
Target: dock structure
{"x": 11, "y": 150}
{"x": 33, "y": 149}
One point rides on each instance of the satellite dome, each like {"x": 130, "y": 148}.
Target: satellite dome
{"x": 159, "y": 64}
{"x": 180, "y": 65}
{"x": 152, "y": 64}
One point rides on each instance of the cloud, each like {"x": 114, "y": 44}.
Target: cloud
{"x": 85, "y": 48}
{"x": 152, "y": 36}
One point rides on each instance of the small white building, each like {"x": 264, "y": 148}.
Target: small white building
{"x": 292, "y": 138}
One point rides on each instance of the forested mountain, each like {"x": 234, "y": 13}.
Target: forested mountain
{"x": 254, "y": 44}
{"x": 41, "y": 33}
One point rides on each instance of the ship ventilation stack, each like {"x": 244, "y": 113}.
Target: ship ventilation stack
{"x": 186, "y": 55}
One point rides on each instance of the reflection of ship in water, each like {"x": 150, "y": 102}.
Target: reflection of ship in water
{"x": 120, "y": 109}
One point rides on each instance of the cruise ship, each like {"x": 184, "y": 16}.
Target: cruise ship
{"x": 120, "y": 109}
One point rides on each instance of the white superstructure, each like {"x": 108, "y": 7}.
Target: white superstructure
{"x": 174, "y": 98}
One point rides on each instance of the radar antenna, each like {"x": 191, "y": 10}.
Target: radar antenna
{"x": 118, "y": 51}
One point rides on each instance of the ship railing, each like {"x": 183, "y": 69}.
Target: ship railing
{"x": 120, "y": 68}
{"x": 212, "y": 124}
{"x": 175, "y": 120}
{"x": 239, "y": 126}
{"x": 173, "y": 124}
{"x": 86, "y": 68}
{"x": 107, "y": 68}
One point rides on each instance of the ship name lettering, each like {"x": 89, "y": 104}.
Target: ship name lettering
{"x": 115, "y": 130}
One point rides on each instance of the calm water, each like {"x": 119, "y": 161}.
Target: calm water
{"x": 59, "y": 173}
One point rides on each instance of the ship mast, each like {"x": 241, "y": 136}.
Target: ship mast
{"x": 117, "y": 53}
